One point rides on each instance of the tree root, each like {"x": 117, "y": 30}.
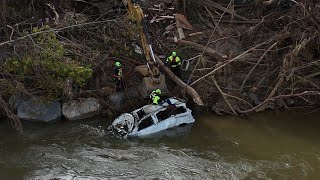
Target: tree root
{"x": 15, "y": 121}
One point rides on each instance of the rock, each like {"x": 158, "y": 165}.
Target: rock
{"x": 81, "y": 109}
{"x": 36, "y": 109}
{"x": 117, "y": 100}
{"x": 16, "y": 100}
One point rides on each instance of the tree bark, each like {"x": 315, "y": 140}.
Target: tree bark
{"x": 193, "y": 93}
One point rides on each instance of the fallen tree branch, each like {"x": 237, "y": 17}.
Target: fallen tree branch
{"x": 240, "y": 99}
{"x": 193, "y": 93}
{"x": 218, "y": 6}
{"x": 201, "y": 48}
{"x": 214, "y": 21}
{"x": 305, "y": 93}
{"x": 286, "y": 64}
{"x": 56, "y": 19}
{"x": 224, "y": 96}
{"x": 229, "y": 61}
{"x": 254, "y": 67}
{"x": 274, "y": 90}
{"x": 15, "y": 121}
{"x": 53, "y": 30}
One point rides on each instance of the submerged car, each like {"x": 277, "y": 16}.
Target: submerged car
{"x": 151, "y": 119}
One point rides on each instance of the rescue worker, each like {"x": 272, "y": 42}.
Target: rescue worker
{"x": 117, "y": 74}
{"x": 175, "y": 63}
{"x": 155, "y": 96}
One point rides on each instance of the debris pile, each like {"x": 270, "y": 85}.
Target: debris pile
{"x": 249, "y": 62}
{"x": 240, "y": 56}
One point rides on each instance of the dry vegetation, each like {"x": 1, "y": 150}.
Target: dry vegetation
{"x": 254, "y": 56}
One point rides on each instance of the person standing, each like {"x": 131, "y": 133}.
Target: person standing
{"x": 175, "y": 63}
{"x": 118, "y": 76}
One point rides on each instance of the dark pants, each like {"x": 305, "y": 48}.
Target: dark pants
{"x": 176, "y": 71}
{"x": 119, "y": 85}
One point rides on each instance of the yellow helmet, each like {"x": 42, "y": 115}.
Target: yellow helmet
{"x": 174, "y": 53}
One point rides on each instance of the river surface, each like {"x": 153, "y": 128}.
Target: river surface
{"x": 262, "y": 146}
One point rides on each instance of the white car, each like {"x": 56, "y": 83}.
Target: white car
{"x": 152, "y": 118}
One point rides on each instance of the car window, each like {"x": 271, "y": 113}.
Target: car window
{"x": 145, "y": 123}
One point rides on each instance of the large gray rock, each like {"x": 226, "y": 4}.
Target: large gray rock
{"x": 16, "y": 100}
{"x": 36, "y": 109}
{"x": 81, "y": 109}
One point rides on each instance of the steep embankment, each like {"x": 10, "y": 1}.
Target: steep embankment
{"x": 252, "y": 56}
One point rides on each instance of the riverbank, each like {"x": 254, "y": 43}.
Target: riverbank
{"x": 253, "y": 57}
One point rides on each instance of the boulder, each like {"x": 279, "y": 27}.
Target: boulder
{"x": 81, "y": 109}
{"x": 35, "y": 109}
{"x": 16, "y": 100}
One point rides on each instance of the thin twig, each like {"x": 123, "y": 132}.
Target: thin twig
{"x": 55, "y": 30}
{"x": 254, "y": 67}
{"x": 224, "y": 97}
{"x": 230, "y": 61}
{"x": 305, "y": 93}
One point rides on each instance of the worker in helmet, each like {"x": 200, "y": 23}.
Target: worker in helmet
{"x": 175, "y": 63}
{"x": 155, "y": 96}
{"x": 118, "y": 78}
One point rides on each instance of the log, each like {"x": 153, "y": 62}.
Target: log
{"x": 15, "y": 121}
{"x": 193, "y": 93}
{"x": 179, "y": 29}
{"x": 208, "y": 51}
{"x": 194, "y": 34}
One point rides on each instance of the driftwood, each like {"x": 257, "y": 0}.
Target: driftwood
{"x": 224, "y": 96}
{"x": 216, "y": 24}
{"x": 194, "y": 34}
{"x": 15, "y": 121}
{"x": 179, "y": 29}
{"x": 305, "y": 93}
{"x": 208, "y": 51}
{"x": 218, "y": 6}
{"x": 229, "y": 61}
{"x": 193, "y": 93}
{"x": 254, "y": 67}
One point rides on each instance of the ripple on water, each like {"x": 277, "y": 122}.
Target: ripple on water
{"x": 215, "y": 150}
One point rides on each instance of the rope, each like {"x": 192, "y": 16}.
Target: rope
{"x": 187, "y": 62}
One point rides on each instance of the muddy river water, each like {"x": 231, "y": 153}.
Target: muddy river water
{"x": 262, "y": 146}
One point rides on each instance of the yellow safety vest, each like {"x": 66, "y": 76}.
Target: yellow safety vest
{"x": 177, "y": 61}
{"x": 155, "y": 100}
